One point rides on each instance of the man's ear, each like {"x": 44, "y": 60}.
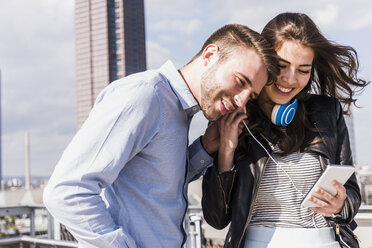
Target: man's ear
{"x": 210, "y": 54}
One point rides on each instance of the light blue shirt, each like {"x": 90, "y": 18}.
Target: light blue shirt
{"x": 122, "y": 181}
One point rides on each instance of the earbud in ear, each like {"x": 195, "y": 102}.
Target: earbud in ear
{"x": 282, "y": 115}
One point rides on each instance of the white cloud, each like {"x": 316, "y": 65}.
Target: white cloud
{"x": 156, "y": 55}
{"x": 180, "y": 26}
{"x": 166, "y": 38}
{"x": 38, "y": 95}
{"x": 362, "y": 18}
{"x": 158, "y": 9}
{"x": 328, "y": 15}
{"x": 189, "y": 27}
{"x": 173, "y": 17}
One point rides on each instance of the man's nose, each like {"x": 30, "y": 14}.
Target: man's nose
{"x": 242, "y": 98}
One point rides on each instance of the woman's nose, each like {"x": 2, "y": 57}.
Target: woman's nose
{"x": 290, "y": 76}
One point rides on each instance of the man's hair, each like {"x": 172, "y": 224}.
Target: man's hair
{"x": 231, "y": 36}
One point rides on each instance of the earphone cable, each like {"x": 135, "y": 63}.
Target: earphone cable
{"x": 294, "y": 185}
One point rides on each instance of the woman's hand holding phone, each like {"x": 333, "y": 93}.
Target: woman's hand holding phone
{"x": 330, "y": 204}
{"x": 328, "y": 195}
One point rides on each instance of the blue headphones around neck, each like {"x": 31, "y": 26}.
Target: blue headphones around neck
{"x": 282, "y": 115}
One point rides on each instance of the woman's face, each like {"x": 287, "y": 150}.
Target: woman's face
{"x": 295, "y": 63}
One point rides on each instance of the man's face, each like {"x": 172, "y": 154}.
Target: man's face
{"x": 229, "y": 84}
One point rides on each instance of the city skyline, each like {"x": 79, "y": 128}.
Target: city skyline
{"x": 37, "y": 61}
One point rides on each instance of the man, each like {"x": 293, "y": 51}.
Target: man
{"x": 122, "y": 181}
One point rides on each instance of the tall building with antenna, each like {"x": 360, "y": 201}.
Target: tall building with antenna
{"x": 109, "y": 44}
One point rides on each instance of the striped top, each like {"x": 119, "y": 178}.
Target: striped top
{"x": 278, "y": 202}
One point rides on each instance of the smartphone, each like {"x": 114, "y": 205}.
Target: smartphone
{"x": 340, "y": 173}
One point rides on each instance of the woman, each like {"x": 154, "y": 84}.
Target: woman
{"x": 260, "y": 193}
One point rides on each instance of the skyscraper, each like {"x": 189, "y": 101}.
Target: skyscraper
{"x": 109, "y": 44}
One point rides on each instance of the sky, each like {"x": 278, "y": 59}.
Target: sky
{"x": 37, "y": 62}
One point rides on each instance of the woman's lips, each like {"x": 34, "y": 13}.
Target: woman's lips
{"x": 283, "y": 90}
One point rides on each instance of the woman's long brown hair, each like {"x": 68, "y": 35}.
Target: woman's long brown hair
{"x": 334, "y": 73}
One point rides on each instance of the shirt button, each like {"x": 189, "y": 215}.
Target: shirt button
{"x": 194, "y": 108}
{"x": 202, "y": 161}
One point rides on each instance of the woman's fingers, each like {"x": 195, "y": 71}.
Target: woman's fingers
{"x": 341, "y": 190}
{"x": 329, "y": 204}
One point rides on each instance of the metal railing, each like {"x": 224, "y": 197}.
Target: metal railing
{"x": 30, "y": 212}
{"x": 193, "y": 226}
{"x": 22, "y": 210}
{"x": 364, "y": 216}
{"x": 25, "y": 241}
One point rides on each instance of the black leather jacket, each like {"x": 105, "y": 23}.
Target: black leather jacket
{"x": 229, "y": 196}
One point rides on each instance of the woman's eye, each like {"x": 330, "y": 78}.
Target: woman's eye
{"x": 304, "y": 72}
{"x": 281, "y": 66}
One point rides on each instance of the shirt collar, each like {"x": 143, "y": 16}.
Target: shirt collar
{"x": 179, "y": 86}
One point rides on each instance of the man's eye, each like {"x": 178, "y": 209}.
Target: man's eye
{"x": 240, "y": 82}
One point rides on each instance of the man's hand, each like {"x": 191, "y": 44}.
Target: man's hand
{"x": 211, "y": 138}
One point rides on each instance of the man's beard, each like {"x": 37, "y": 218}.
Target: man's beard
{"x": 209, "y": 89}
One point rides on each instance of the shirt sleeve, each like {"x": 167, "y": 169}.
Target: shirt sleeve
{"x": 122, "y": 122}
{"x": 199, "y": 160}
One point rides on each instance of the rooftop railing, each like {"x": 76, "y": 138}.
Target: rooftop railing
{"x": 193, "y": 227}
{"x": 27, "y": 241}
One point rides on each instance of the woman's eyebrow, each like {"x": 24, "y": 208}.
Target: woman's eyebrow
{"x": 283, "y": 60}
{"x": 287, "y": 62}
